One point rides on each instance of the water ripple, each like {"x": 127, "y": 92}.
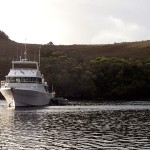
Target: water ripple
{"x": 106, "y": 127}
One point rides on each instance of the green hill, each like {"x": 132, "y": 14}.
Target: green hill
{"x": 80, "y": 71}
{"x": 137, "y": 50}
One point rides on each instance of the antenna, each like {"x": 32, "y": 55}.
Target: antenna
{"x": 20, "y": 54}
{"x": 34, "y": 54}
{"x": 25, "y": 53}
{"x": 39, "y": 55}
{"x": 17, "y": 51}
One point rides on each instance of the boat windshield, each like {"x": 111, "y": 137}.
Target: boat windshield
{"x": 23, "y": 80}
{"x": 24, "y": 64}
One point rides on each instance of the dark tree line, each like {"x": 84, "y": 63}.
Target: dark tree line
{"x": 121, "y": 78}
{"x": 98, "y": 78}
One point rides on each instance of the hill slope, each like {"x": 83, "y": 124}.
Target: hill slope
{"x": 67, "y": 67}
{"x": 10, "y": 49}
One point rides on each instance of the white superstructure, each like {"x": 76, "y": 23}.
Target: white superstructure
{"x": 25, "y": 85}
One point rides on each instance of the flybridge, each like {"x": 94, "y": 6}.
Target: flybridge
{"x": 25, "y": 64}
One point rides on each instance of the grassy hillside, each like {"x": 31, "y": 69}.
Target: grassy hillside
{"x": 138, "y": 50}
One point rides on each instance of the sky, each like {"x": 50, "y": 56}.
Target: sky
{"x": 75, "y": 21}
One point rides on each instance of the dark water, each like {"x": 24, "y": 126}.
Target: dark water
{"x": 124, "y": 126}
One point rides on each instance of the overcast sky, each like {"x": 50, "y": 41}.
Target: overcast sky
{"x": 75, "y": 21}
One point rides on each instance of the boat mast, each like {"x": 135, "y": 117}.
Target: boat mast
{"x": 39, "y": 56}
{"x": 17, "y": 52}
{"x": 25, "y": 53}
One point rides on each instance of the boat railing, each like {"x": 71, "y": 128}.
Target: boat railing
{"x": 24, "y": 85}
{"x": 24, "y": 82}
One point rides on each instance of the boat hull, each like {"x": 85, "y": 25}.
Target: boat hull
{"x": 25, "y": 97}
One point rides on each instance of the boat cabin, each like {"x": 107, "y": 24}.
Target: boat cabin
{"x": 24, "y": 72}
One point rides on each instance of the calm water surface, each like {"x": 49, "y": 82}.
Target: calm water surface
{"x": 120, "y": 126}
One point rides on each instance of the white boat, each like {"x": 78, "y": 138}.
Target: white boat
{"x": 25, "y": 85}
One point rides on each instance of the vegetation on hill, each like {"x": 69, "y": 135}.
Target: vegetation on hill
{"x": 121, "y": 78}
{"x": 3, "y": 36}
{"x": 119, "y": 70}
{"x": 99, "y": 77}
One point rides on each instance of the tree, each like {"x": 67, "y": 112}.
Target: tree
{"x": 50, "y": 43}
{"x": 120, "y": 78}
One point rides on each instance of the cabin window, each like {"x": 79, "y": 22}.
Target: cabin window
{"x": 24, "y": 80}
{"x": 17, "y": 80}
{"x": 11, "y": 79}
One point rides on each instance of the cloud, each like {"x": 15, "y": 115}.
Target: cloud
{"x": 117, "y": 30}
{"x": 76, "y": 22}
